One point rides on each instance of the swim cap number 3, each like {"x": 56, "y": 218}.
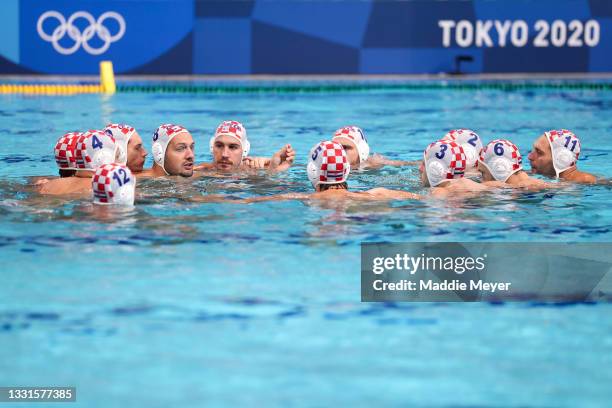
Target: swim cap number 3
{"x": 441, "y": 153}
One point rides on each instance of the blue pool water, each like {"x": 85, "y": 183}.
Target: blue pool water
{"x": 175, "y": 303}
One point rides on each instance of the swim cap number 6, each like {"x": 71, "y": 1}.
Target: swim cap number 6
{"x": 499, "y": 149}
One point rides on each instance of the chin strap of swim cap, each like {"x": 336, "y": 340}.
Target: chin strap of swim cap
{"x": 113, "y": 184}
{"x": 502, "y": 158}
{"x": 356, "y": 135}
{"x": 65, "y": 155}
{"x": 328, "y": 164}
{"x": 470, "y": 141}
{"x": 233, "y": 129}
{"x": 444, "y": 160}
{"x": 564, "y": 148}
{"x": 161, "y": 139}
{"x": 122, "y": 134}
{"x": 94, "y": 149}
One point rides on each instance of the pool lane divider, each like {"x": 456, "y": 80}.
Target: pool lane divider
{"x": 230, "y": 89}
{"x": 106, "y": 86}
{"x": 50, "y": 89}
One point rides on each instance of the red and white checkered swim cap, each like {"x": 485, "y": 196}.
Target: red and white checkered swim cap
{"x": 233, "y": 129}
{"x": 161, "y": 138}
{"x": 328, "y": 164}
{"x": 94, "y": 148}
{"x": 122, "y": 134}
{"x": 502, "y": 158}
{"x": 564, "y": 147}
{"x": 113, "y": 184}
{"x": 470, "y": 141}
{"x": 65, "y": 156}
{"x": 444, "y": 160}
{"x": 357, "y": 136}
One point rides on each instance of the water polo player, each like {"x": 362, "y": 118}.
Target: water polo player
{"x": 555, "y": 154}
{"x": 355, "y": 143}
{"x": 328, "y": 170}
{"x": 173, "y": 151}
{"x": 501, "y": 160}
{"x": 443, "y": 169}
{"x": 230, "y": 150}
{"x": 471, "y": 144}
{"x": 81, "y": 153}
{"x": 131, "y": 151}
{"x": 113, "y": 184}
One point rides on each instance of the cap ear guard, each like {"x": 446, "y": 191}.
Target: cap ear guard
{"x": 103, "y": 157}
{"x": 436, "y": 173}
{"x": 563, "y": 160}
{"x": 563, "y": 156}
{"x": 121, "y": 155}
{"x": 500, "y": 169}
{"x": 364, "y": 152}
{"x": 311, "y": 170}
{"x": 125, "y": 195}
{"x": 158, "y": 153}
{"x": 470, "y": 154}
{"x": 211, "y": 144}
{"x": 246, "y": 147}
{"x": 122, "y": 134}
{"x": 362, "y": 145}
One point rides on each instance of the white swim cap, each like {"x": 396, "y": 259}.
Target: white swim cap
{"x": 444, "y": 160}
{"x": 122, "y": 134}
{"x": 502, "y": 158}
{"x": 328, "y": 164}
{"x": 161, "y": 138}
{"x": 113, "y": 184}
{"x": 355, "y": 135}
{"x": 564, "y": 147}
{"x": 470, "y": 141}
{"x": 94, "y": 148}
{"x": 233, "y": 129}
{"x": 65, "y": 151}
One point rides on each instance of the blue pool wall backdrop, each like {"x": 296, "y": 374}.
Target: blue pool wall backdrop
{"x": 305, "y": 36}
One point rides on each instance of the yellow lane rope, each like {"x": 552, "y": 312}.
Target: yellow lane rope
{"x": 106, "y": 85}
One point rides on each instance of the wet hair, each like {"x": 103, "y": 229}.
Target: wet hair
{"x": 335, "y": 186}
{"x": 66, "y": 173}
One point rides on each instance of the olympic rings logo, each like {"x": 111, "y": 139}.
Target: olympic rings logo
{"x": 95, "y": 27}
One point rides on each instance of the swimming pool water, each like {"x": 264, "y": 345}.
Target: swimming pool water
{"x": 175, "y": 303}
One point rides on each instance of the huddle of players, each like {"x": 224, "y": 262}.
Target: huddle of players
{"x": 108, "y": 161}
